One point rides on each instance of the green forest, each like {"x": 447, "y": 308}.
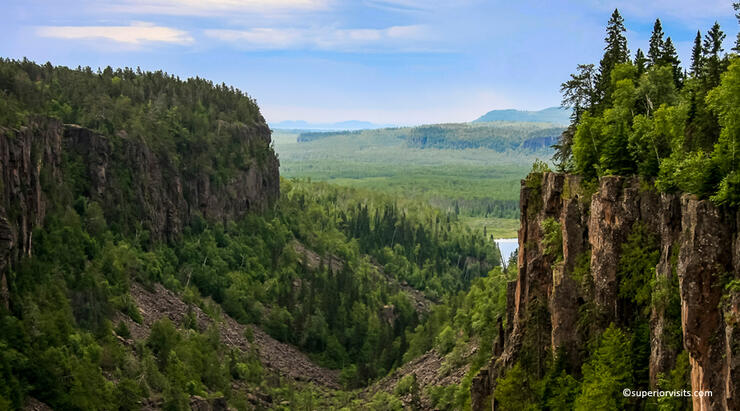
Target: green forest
{"x": 472, "y": 170}
{"x": 499, "y": 136}
{"x": 652, "y": 117}
{"x": 64, "y": 297}
{"x": 61, "y": 342}
{"x": 377, "y": 252}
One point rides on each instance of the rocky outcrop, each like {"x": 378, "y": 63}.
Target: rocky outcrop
{"x": 703, "y": 259}
{"x": 162, "y": 194}
{"x": 699, "y": 261}
{"x": 48, "y": 164}
{"x": 428, "y": 370}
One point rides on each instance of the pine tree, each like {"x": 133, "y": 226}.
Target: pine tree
{"x": 655, "y": 52}
{"x": 615, "y": 52}
{"x": 670, "y": 57}
{"x": 712, "y": 54}
{"x": 736, "y": 6}
{"x": 579, "y": 93}
{"x": 697, "y": 56}
{"x": 640, "y": 62}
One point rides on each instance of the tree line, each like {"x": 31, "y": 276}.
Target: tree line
{"x": 647, "y": 115}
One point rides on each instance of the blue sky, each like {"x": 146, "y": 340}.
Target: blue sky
{"x": 386, "y": 61}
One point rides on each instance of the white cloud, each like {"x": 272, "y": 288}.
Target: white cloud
{"x": 216, "y": 7}
{"x": 133, "y": 35}
{"x": 395, "y": 37}
{"x": 414, "y": 5}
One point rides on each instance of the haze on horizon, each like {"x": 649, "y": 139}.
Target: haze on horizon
{"x": 398, "y": 62}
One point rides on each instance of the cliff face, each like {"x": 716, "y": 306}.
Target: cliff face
{"x": 699, "y": 255}
{"x": 49, "y": 164}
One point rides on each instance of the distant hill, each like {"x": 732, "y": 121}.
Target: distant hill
{"x": 499, "y": 136}
{"x": 342, "y": 125}
{"x": 555, "y": 115}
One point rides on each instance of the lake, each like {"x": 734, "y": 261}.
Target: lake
{"x": 507, "y": 246}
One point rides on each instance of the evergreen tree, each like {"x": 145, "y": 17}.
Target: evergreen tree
{"x": 580, "y": 94}
{"x": 736, "y": 6}
{"x": 657, "y": 45}
{"x": 697, "y": 56}
{"x": 606, "y": 373}
{"x": 712, "y": 54}
{"x": 615, "y": 52}
{"x": 670, "y": 57}
{"x": 640, "y": 62}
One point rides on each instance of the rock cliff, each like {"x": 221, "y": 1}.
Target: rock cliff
{"x": 558, "y": 281}
{"x": 48, "y": 165}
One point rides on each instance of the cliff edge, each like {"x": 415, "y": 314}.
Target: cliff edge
{"x": 143, "y": 190}
{"x": 571, "y": 281}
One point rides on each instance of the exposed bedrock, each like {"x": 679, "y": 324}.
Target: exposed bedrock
{"x": 699, "y": 260}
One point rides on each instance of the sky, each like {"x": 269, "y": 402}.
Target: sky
{"x": 399, "y": 62}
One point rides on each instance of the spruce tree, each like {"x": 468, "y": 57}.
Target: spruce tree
{"x": 736, "y": 6}
{"x": 579, "y": 93}
{"x": 697, "y": 56}
{"x": 640, "y": 62}
{"x": 712, "y": 54}
{"x": 615, "y": 52}
{"x": 655, "y": 52}
{"x": 670, "y": 57}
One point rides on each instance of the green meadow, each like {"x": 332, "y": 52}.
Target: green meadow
{"x": 479, "y": 182}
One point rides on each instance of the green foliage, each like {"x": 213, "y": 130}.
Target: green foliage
{"x": 81, "y": 273}
{"x": 515, "y": 390}
{"x": 498, "y": 136}
{"x": 445, "y": 341}
{"x": 607, "y": 373}
{"x": 196, "y": 124}
{"x": 552, "y": 239}
{"x": 723, "y": 101}
{"x": 667, "y": 300}
{"x": 122, "y": 330}
{"x": 653, "y": 122}
{"x": 479, "y": 182}
{"x": 678, "y": 379}
{"x": 582, "y": 269}
{"x": 383, "y": 401}
{"x": 407, "y": 385}
{"x": 636, "y": 271}
{"x": 564, "y": 391}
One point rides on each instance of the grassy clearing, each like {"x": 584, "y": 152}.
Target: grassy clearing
{"x": 496, "y": 227}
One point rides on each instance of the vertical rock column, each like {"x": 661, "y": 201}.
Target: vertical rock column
{"x": 565, "y": 295}
{"x": 705, "y": 256}
{"x": 663, "y": 351}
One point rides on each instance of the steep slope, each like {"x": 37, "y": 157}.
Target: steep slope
{"x": 47, "y": 165}
{"x": 279, "y": 357}
{"x": 577, "y": 276}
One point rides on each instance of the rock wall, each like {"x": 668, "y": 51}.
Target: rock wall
{"x": 136, "y": 186}
{"x": 699, "y": 243}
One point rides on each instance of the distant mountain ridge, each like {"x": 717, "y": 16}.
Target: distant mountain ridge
{"x": 350, "y": 125}
{"x": 556, "y": 115}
